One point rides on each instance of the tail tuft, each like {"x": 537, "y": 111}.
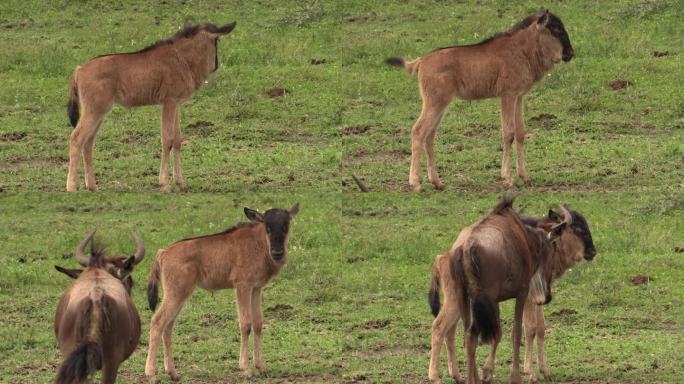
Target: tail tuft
{"x": 72, "y": 105}
{"x": 433, "y": 294}
{"x": 152, "y": 295}
{"x": 153, "y": 284}
{"x": 486, "y": 324}
{"x": 83, "y": 361}
{"x": 395, "y": 61}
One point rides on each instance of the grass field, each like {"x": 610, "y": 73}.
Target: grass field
{"x": 351, "y": 306}
{"x": 352, "y": 113}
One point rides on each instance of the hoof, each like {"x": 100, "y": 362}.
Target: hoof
{"x": 152, "y": 379}
{"x": 71, "y": 188}
{"x": 174, "y": 376}
{"x": 438, "y": 186}
{"x": 262, "y": 371}
{"x": 415, "y": 187}
{"x": 182, "y": 187}
{"x": 247, "y": 373}
{"x": 165, "y": 188}
{"x": 93, "y": 188}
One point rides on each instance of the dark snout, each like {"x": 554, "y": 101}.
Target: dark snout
{"x": 548, "y": 298}
{"x": 589, "y": 254}
{"x": 568, "y": 54}
{"x": 277, "y": 253}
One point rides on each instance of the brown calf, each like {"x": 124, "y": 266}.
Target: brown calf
{"x": 572, "y": 246}
{"x": 573, "y": 243}
{"x": 505, "y": 65}
{"x": 166, "y": 73}
{"x": 245, "y": 257}
{"x": 96, "y": 324}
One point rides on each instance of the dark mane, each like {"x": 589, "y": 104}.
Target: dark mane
{"x": 524, "y": 23}
{"x": 506, "y": 202}
{"x": 97, "y": 253}
{"x": 188, "y": 31}
{"x": 229, "y": 230}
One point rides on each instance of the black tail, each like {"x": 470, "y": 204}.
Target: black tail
{"x": 86, "y": 359}
{"x": 396, "y": 61}
{"x": 486, "y": 325}
{"x": 72, "y": 106}
{"x": 433, "y": 294}
{"x": 153, "y": 285}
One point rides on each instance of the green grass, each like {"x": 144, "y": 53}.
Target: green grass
{"x": 351, "y": 305}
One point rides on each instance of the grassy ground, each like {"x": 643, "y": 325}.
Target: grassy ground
{"x": 351, "y": 304}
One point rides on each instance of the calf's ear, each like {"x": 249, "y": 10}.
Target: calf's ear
{"x": 254, "y": 215}
{"x": 294, "y": 210}
{"x": 556, "y": 231}
{"x": 555, "y": 216}
{"x": 543, "y": 19}
{"x": 73, "y": 273}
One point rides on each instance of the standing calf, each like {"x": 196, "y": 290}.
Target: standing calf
{"x": 505, "y": 66}
{"x": 166, "y": 73}
{"x": 96, "y": 324}
{"x": 244, "y": 257}
{"x": 573, "y": 244}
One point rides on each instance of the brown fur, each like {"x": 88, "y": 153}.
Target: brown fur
{"x": 505, "y": 66}
{"x": 166, "y": 73}
{"x": 240, "y": 258}
{"x": 568, "y": 248}
{"x": 96, "y": 324}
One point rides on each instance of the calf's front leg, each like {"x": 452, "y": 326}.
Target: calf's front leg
{"x": 243, "y": 295}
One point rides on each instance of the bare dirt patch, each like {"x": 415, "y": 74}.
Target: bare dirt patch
{"x": 277, "y": 92}
{"x": 355, "y": 130}
{"x": 376, "y": 324}
{"x": 200, "y": 128}
{"x": 641, "y": 279}
{"x": 317, "y": 61}
{"x": 12, "y": 136}
{"x": 660, "y": 53}
{"x": 279, "y": 308}
{"x": 619, "y": 84}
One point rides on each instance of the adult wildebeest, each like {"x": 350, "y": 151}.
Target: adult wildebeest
{"x": 244, "y": 257}
{"x": 505, "y": 65}
{"x": 96, "y": 324}
{"x": 573, "y": 243}
{"x": 166, "y": 73}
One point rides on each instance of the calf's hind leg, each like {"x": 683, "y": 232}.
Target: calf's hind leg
{"x": 177, "y": 140}
{"x": 162, "y": 324}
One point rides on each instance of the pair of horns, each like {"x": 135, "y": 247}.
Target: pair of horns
{"x": 85, "y": 261}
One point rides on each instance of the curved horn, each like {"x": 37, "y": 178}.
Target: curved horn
{"x": 567, "y": 216}
{"x": 140, "y": 251}
{"x": 83, "y": 260}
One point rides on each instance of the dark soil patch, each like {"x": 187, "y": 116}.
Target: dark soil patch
{"x": 564, "y": 312}
{"x": 355, "y": 130}
{"x": 199, "y": 128}
{"x": 678, "y": 249}
{"x": 317, "y": 61}
{"x": 640, "y": 279}
{"x": 618, "y": 84}
{"x": 12, "y": 136}
{"x": 376, "y": 324}
{"x": 276, "y": 92}
{"x": 354, "y": 259}
{"x": 279, "y": 308}
{"x": 660, "y": 53}
{"x": 543, "y": 117}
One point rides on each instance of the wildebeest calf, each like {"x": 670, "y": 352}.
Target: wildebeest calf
{"x": 245, "y": 257}
{"x": 96, "y": 324}
{"x": 505, "y": 66}
{"x": 166, "y": 73}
